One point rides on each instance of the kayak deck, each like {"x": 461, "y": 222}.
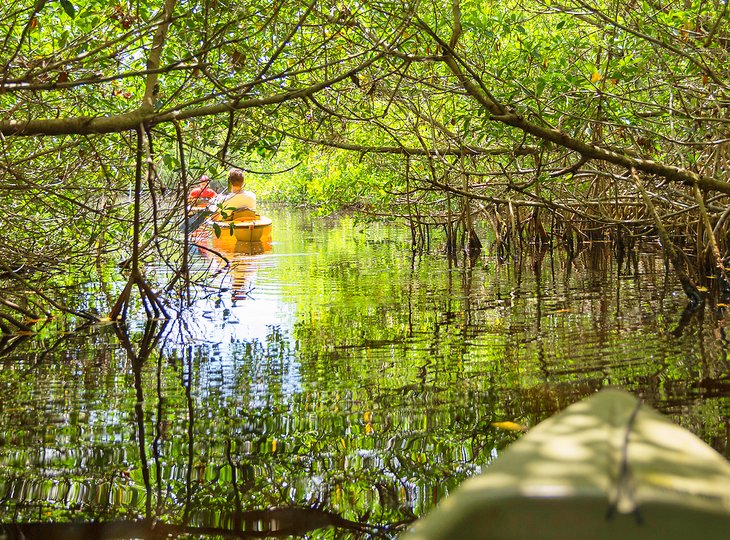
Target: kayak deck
{"x": 607, "y": 467}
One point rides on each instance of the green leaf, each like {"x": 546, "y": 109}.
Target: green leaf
{"x": 68, "y": 8}
{"x": 217, "y": 230}
{"x": 540, "y": 86}
{"x": 170, "y": 161}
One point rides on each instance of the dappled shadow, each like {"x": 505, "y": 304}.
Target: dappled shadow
{"x": 600, "y": 461}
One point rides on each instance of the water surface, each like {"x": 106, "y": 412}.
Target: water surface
{"x": 333, "y": 384}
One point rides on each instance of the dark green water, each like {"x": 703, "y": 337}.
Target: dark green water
{"x": 337, "y": 383}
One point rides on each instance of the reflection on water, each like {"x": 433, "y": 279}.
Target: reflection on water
{"x": 240, "y": 259}
{"x": 332, "y": 379}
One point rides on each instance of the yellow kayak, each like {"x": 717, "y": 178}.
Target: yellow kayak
{"x": 246, "y": 226}
{"x": 606, "y": 468}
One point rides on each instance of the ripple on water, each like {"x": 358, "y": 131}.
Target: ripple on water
{"x": 337, "y": 371}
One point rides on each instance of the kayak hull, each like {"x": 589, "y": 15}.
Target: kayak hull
{"x": 575, "y": 518}
{"x": 607, "y": 467}
{"x": 258, "y": 230}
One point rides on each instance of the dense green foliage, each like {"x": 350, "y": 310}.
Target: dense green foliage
{"x": 531, "y": 124}
{"x": 552, "y": 123}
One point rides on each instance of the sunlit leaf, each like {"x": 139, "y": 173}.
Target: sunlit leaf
{"x": 595, "y": 77}
{"x": 68, "y": 8}
{"x": 508, "y": 426}
{"x": 170, "y": 161}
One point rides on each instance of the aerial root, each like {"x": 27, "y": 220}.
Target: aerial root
{"x": 151, "y": 303}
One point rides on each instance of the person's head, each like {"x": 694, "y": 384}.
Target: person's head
{"x": 235, "y": 178}
{"x": 203, "y": 180}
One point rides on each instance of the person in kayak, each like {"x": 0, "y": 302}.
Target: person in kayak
{"x": 238, "y": 199}
{"x": 202, "y": 194}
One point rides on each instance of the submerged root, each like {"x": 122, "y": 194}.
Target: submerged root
{"x": 152, "y": 305}
{"x": 692, "y": 228}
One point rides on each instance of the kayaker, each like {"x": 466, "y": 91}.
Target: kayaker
{"x": 238, "y": 198}
{"x": 202, "y": 194}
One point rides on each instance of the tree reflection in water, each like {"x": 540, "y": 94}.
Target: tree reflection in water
{"x": 354, "y": 387}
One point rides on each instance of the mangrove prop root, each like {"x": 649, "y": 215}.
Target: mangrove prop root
{"x": 152, "y": 305}
{"x": 674, "y": 254}
{"x": 711, "y": 236}
{"x": 17, "y": 277}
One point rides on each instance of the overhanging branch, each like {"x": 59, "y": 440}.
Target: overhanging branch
{"x": 507, "y": 116}
{"x": 130, "y": 121}
{"x": 412, "y": 151}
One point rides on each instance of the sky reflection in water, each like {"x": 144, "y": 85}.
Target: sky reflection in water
{"x": 334, "y": 370}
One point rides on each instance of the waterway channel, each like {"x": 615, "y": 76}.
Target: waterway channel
{"x": 335, "y": 385}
